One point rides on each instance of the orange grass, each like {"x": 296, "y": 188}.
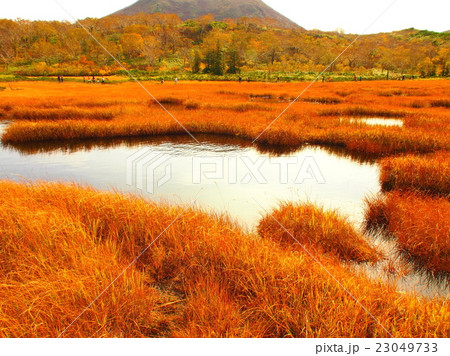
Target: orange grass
{"x": 61, "y": 245}
{"x": 318, "y": 229}
{"x": 430, "y": 173}
{"x": 444, "y": 103}
{"x": 361, "y": 111}
{"x": 64, "y": 113}
{"x": 323, "y": 100}
{"x": 240, "y": 110}
{"x": 420, "y": 223}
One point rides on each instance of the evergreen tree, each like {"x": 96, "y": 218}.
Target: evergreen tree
{"x": 214, "y": 61}
{"x": 197, "y": 63}
{"x": 233, "y": 61}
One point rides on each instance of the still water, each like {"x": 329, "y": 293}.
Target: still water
{"x": 376, "y": 121}
{"x": 379, "y": 122}
{"x": 221, "y": 174}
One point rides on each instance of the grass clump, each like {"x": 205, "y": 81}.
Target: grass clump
{"x": 420, "y": 224}
{"x": 442, "y": 103}
{"x": 430, "y": 173}
{"x": 361, "y": 111}
{"x": 344, "y": 93}
{"x": 82, "y": 129}
{"x": 317, "y": 228}
{"x": 323, "y": 100}
{"x": 192, "y": 105}
{"x": 167, "y": 101}
{"x": 416, "y": 104}
{"x": 264, "y": 96}
{"x": 394, "y": 92}
{"x": 68, "y": 113}
{"x": 238, "y": 108}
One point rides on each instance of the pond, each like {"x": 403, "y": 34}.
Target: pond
{"x": 225, "y": 175}
{"x": 220, "y": 174}
{"x": 378, "y": 121}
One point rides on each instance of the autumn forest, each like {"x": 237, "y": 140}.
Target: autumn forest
{"x": 158, "y": 44}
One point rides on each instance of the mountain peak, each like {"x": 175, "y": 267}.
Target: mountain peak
{"x": 221, "y": 9}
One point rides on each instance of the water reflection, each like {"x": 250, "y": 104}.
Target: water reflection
{"x": 102, "y": 163}
{"x": 378, "y": 121}
{"x": 3, "y": 126}
{"x": 72, "y": 146}
{"x": 401, "y": 271}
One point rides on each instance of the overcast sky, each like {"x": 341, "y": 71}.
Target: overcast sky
{"x": 354, "y": 16}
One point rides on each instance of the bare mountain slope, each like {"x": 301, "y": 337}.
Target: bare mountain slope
{"x": 189, "y": 9}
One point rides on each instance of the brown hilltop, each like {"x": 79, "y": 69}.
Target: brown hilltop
{"x": 221, "y": 9}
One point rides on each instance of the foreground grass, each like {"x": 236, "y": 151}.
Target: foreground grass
{"x": 61, "y": 245}
{"x": 420, "y": 223}
{"x": 46, "y": 112}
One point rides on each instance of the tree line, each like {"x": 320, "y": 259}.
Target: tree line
{"x": 164, "y": 43}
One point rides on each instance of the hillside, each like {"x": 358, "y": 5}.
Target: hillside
{"x": 221, "y": 9}
{"x": 162, "y": 45}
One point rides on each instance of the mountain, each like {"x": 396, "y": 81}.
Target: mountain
{"x": 221, "y": 9}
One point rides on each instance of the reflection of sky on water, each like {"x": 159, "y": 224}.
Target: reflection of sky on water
{"x": 347, "y": 181}
{"x": 2, "y": 128}
{"x": 378, "y": 122}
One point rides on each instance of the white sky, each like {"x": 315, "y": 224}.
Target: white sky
{"x": 354, "y": 16}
